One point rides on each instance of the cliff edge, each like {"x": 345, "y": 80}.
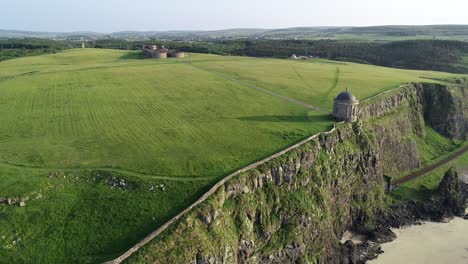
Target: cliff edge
{"x": 295, "y": 208}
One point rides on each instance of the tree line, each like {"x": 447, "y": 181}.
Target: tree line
{"x": 15, "y": 48}
{"x": 439, "y": 55}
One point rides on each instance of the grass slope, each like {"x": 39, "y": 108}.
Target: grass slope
{"x": 158, "y": 118}
{"x": 319, "y": 81}
{"x": 76, "y": 217}
{"x": 175, "y": 123}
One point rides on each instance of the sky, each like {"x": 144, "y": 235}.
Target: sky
{"x": 156, "y": 15}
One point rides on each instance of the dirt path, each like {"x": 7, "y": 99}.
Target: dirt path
{"x": 336, "y": 80}
{"x": 300, "y": 76}
{"x": 431, "y": 167}
{"x": 258, "y": 88}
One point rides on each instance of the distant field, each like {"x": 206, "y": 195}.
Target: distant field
{"x": 319, "y": 81}
{"x": 182, "y": 124}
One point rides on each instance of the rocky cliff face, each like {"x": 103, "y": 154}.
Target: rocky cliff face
{"x": 446, "y": 108}
{"x": 295, "y": 208}
{"x": 443, "y": 107}
{"x": 450, "y": 199}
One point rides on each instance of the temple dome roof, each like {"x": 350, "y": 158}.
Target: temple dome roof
{"x": 346, "y": 97}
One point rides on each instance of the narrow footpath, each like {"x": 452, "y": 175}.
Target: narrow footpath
{"x": 258, "y": 88}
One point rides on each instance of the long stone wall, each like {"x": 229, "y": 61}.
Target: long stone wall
{"x": 385, "y": 102}
{"x": 310, "y": 193}
{"x": 215, "y": 188}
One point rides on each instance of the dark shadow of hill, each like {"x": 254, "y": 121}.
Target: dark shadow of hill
{"x": 287, "y": 118}
{"x": 133, "y": 55}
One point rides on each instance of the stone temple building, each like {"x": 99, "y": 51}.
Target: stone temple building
{"x": 153, "y": 51}
{"x": 345, "y": 107}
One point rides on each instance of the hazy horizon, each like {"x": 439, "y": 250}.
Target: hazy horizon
{"x": 217, "y": 29}
{"x": 144, "y": 15}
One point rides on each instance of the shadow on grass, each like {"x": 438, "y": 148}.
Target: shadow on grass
{"x": 404, "y": 193}
{"x": 288, "y": 118}
{"x": 132, "y": 55}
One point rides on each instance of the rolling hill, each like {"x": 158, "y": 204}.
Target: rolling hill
{"x": 104, "y": 147}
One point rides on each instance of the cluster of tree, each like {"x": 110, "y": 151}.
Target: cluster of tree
{"x": 440, "y": 55}
{"x": 215, "y": 47}
{"x": 15, "y": 48}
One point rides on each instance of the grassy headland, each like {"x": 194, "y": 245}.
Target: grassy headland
{"x": 105, "y": 147}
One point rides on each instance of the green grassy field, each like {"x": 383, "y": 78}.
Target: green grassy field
{"x": 166, "y": 119}
{"x": 318, "y": 81}
{"x": 77, "y": 217}
{"x": 72, "y": 121}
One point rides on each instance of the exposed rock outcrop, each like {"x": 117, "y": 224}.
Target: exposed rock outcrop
{"x": 446, "y": 108}
{"x": 294, "y": 208}
{"x": 14, "y": 201}
{"x": 450, "y": 199}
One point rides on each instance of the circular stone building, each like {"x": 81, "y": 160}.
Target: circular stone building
{"x": 345, "y": 107}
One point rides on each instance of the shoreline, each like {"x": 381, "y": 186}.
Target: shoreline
{"x": 429, "y": 242}
{"x": 368, "y": 241}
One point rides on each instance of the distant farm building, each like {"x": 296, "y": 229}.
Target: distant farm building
{"x": 296, "y": 57}
{"x": 153, "y": 51}
{"x": 345, "y": 107}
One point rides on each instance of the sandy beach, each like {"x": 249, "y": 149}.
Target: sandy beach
{"x": 430, "y": 243}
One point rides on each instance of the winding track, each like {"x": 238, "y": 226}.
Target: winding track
{"x": 431, "y": 167}
{"x": 258, "y": 88}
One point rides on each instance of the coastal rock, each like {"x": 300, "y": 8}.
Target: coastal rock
{"x": 382, "y": 235}
{"x": 451, "y": 194}
{"x": 449, "y": 200}
{"x": 359, "y": 254}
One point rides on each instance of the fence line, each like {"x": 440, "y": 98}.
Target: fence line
{"x": 385, "y": 92}
{"x": 213, "y": 189}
